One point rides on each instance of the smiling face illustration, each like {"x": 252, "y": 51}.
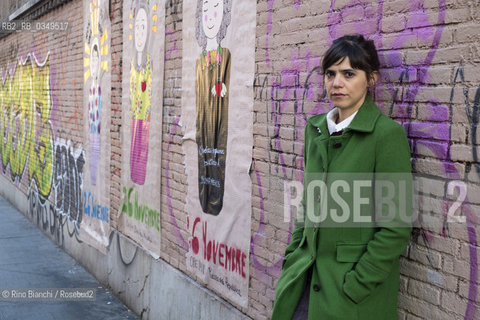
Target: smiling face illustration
{"x": 94, "y": 61}
{"x": 141, "y": 29}
{"x": 212, "y": 15}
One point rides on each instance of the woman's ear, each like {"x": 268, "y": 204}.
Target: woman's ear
{"x": 372, "y": 80}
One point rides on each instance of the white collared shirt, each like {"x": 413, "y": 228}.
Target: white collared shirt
{"x": 332, "y": 115}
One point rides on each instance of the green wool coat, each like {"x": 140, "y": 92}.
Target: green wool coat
{"x": 355, "y": 268}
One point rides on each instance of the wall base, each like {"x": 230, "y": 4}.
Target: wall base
{"x": 150, "y": 287}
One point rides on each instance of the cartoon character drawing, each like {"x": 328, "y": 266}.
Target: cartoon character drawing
{"x": 140, "y": 90}
{"x": 212, "y": 94}
{"x": 94, "y": 114}
{"x": 95, "y": 48}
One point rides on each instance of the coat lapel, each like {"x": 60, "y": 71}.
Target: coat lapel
{"x": 320, "y": 140}
{"x": 366, "y": 117}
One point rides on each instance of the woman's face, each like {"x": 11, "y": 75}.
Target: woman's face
{"x": 212, "y": 15}
{"x": 141, "y": 29}
{"x": 346, "y": 87}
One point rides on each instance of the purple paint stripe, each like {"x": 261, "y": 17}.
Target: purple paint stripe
{"x": 473, "y": 288}
{"x": 452, "y": 173}
{"x": 54, "y": 86}
{"x": 431, "y": 54}
{"x": 438, "y": 148}
{"x": 173, "y": 50}
{"x": 379, "y": 24}
{"x": 180, "y": 238}
{"x": 428, "y": 130}
{"x": 258, "y": 265}
{"x": 472, "y": 237}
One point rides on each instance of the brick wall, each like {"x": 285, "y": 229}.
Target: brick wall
{"x": 116, "y": 17}
{"x": 430, "y": 83}
{"x": 62, "y": 53}
{"x": 174, "y": 229}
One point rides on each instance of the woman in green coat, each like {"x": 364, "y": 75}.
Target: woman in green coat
{"x": 343, "y": 260}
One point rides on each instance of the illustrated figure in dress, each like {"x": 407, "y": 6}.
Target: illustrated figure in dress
{"x": 96, "y": 47}
{"x": 94, "y": 112}
{"x": 212, "y": 74}
{"x": 140, "y": 94}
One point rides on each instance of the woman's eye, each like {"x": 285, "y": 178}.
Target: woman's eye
{"x": 329, "y": 74}
{"x": 349, "y": 74}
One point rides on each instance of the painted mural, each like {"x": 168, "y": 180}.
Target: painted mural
{"x": 97, "y": 102}
{"x": 212, "y": 84}
{"x": 216, "y": 67}
{"x": 143, "y": 59}
{"x": 30, "y": 155}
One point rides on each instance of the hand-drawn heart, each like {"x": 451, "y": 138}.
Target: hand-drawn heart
{"x": 144, "y": 86}
{"x": 218, "y": 88}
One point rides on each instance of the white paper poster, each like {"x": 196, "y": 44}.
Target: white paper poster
{"x": 217, "y": 114}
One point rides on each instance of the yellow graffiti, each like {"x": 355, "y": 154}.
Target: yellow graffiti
{"x": 25, "y": 106}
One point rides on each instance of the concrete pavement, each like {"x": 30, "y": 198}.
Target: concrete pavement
{"x": 29, "y": 259}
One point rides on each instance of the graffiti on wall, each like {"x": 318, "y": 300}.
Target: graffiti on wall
{"x": 26, "y": 103}
{"x": 144, "y": 50}
{"x": 174, "y": 48}
{"x": 68, "y": 181}
{"x": 45, "y": 215}
{"x": 131, "y": 207}
{"x": 403, "y": 83}
{"x": 28, "y": 151}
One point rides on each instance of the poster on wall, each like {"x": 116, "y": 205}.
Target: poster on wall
{"x": 95, "y": 158}
{"x": 142, "y": 88}
{"x": 217, "y": 114}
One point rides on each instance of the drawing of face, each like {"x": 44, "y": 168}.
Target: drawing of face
{"x": 94, "y": 61}
{"x": 212, "y": 17}
{"x": 141, "y": 29}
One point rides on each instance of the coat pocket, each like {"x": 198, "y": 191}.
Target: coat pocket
{"x": 348, "y": 252}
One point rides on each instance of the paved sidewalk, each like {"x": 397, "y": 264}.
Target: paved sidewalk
{"x": 29, "y": 259}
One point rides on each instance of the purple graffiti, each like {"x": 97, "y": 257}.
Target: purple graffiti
{"x": 174, "y": 49}
{"x": 258, "y": 265}
{"x": 173, "y": 132}
{"x": 290, "y": 88}
{"x": 433, "y": 134}
{"x": 180, "y": 238}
